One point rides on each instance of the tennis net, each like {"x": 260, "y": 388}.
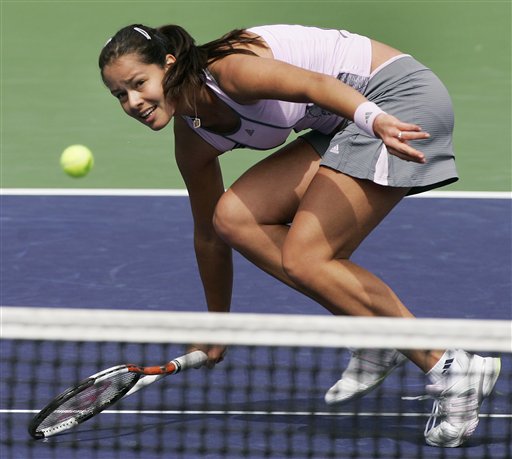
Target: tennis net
{"x": 265, "y": 400}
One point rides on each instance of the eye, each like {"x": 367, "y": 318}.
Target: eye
{"x": 139, "y": 83}
{"x": 120, "y": 96}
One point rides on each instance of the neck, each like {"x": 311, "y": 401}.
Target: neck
{"x": 212, "y": 113}
{"x": 196, "y": 123}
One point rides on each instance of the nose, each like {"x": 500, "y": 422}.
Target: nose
{"x": 134, "y": 100}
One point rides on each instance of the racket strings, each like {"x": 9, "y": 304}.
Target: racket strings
{"x": 90, "y": 400}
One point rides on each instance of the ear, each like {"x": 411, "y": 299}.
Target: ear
{"x": 169, "y": 60}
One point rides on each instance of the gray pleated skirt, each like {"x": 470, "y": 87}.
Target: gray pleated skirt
{"x": 414, "y": 94}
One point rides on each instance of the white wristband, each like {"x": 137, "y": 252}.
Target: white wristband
{"x": 365, "y": 116}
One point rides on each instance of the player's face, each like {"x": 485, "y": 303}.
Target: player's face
{"x": 138, "y": 87}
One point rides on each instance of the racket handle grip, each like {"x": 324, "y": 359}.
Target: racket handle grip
{"x": 193, "y": 359}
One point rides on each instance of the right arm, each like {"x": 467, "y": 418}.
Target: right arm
{"x": 199, "y": 166}
{"x": 247, "y": 79}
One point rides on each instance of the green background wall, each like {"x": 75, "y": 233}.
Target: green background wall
{"x": 52, "y": 96}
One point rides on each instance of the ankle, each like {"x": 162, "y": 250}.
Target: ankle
{"x": 452, "y": 365}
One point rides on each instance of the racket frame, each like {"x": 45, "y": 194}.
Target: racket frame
{"x": 72, "y": 392}
{"x": 143, "y": 377}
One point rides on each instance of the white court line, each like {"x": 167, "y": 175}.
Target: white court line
{"x": 90, "y": 192}
{"x": 266, "y": 413}
{"x": 182, "y": 192}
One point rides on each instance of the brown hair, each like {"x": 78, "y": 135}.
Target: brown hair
{"x": 152, "y": 46}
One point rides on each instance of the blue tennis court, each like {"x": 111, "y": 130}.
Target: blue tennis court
{"x": 446, "y": 258}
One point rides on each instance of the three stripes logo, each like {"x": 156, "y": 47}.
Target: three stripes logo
{"x": 367, "y": 117}
{"x": 447, "y": 365}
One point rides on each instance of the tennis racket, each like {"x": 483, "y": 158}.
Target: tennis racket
{"x": 101, "y": 390}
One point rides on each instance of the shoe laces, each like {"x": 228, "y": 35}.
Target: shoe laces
{"x": 435, "y": 413}
{"x": 455, "y": 409}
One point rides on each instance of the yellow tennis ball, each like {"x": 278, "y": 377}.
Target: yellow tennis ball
{"x": 77, "y": 160}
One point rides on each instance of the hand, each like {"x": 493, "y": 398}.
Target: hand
{"x": 396, "y": 135}
{"x": 215, "y": 353}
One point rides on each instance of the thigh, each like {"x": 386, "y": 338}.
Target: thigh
{"x": 270, "y": 191}
{"x": 337, "y": 213}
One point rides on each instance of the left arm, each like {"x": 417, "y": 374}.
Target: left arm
{"x": 247, "y": 79}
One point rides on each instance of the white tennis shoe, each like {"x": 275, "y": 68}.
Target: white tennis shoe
{"x": 366, "y": 370}
{"x": 457, "y": 404}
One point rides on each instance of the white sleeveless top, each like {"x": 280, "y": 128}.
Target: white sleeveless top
{"x": 268, "y": 123}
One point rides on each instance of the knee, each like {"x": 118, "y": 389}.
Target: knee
{"x": 299, "y": 264}
{"x": 229, "y": 219}
{"x": 308, "y": 264}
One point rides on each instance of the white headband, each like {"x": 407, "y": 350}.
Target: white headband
{"x": 143, "y": 32}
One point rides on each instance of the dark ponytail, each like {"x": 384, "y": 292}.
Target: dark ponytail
{"x": 152, "y": 45}
{"x": 191, "y": 60}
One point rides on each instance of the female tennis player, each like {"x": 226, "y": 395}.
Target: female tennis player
{"x": 379, "y": 127}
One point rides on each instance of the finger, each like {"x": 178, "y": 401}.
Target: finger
{"x": 401, "y": 156}
{"x": 211, "y": 362}
{"x": 197, "y": 347}
{"x": 408, "y": 127}
{"x": 213, "y": 353}
{"x": 215, "y": 356}
{"x": 396, "y": 153}
{"x": 408, "y": 155}
{"x": 404, "y": 136}
{"x": 416, "y": 156}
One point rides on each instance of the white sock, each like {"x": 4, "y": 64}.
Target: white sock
{"x": 451, "y": 366}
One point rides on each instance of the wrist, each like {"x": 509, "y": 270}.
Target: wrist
{"x": 365, "y": 115}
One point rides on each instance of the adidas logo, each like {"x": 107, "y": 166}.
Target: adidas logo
{"x": 367, "y": 116}
{"x": 250, "y": 131}
{"x": 335, "y": 149}
{"x": 447, "y": 365}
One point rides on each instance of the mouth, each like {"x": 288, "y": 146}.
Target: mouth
{"x": 147, "y": 113}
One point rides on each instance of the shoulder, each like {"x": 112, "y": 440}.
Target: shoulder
{"x": 248, "y": 79}
{"x": 236, "y": 74}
